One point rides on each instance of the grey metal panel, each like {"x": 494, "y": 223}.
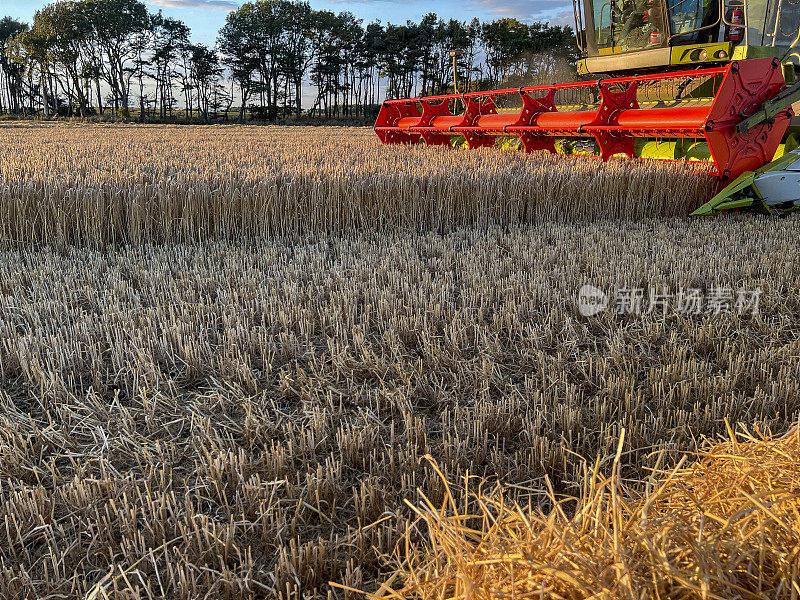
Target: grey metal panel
{"x": 783, "y": 185}
{"x": 772, "y": 22}
{"x": 757, "y": 20}
{"x": 777, "y": 187}
{"x": 788, "y": 23}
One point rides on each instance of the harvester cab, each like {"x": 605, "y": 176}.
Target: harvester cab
{"x": 693, "y": 80}
{"x": 643, "y": 35}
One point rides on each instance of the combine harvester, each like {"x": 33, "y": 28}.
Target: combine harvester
{"x": 710, "y": 80}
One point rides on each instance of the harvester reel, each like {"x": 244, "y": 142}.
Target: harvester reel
{"x": 710, "y": 113}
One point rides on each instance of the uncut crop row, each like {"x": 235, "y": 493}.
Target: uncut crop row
{"x": 93, "y": 184}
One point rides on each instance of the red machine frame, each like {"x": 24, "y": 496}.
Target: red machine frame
{"x": 615, "y": 118}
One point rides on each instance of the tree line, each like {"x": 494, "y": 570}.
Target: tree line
{"x": 273, "y": 59}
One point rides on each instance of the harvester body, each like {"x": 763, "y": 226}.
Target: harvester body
{"x": 625, "y": 35}
{"x": 706, "y": 80}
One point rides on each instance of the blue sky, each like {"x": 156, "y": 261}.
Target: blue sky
{"x": 205, "y": 17}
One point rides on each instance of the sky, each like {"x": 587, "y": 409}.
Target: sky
{"x": 206, "y": 17}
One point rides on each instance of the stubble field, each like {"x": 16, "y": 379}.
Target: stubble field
{"x": 225, "y": 352}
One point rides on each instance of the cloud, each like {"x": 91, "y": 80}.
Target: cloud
{"x": 556, "y": 12}
{"x": 226, "y": 5}
{"x": 395, "y": 2}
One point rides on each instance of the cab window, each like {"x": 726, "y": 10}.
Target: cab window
{"x": 629, "y": 25}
